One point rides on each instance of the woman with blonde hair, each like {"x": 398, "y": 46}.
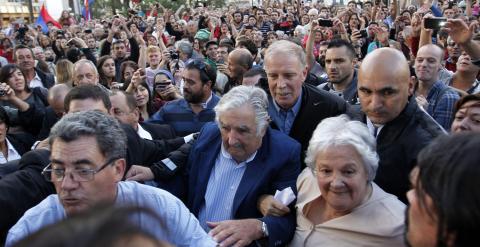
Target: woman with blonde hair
{"x": 64, "y": 73}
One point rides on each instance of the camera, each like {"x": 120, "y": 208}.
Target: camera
{"x": 173, "y": 55}
{"x": 435, "y": 23}
{"x": 3, "y": 92}
{"x": 363, "y": 33}
{"x": 325, "y": 23}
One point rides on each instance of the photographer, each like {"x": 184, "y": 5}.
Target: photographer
{"x": 119, "y": 49}
{"x": 16, "y": 96}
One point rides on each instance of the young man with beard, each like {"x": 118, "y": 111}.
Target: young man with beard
{"x": 340, "y": 66}
{"x": 188, "y": 115}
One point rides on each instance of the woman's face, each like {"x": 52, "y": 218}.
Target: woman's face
{"x": 421, "y": 227}
{"x": 354, "y": 22}
{"x": 141, "y": 95}
{"x": 133, "y": 28}
{"x": 17, "y": 81}
{"x": 318, "y": 36}
{"x": 467, "y": 118}
{"x": 224, "y": 28}
{"x": 108, "y": 68}
{"x": 128, "y": 73}
{"x": 65, "y": 14}
{"x": 341, "y": 177}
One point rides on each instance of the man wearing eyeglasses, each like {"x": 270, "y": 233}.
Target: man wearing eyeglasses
{"x": 88, "y": 151}
{"x": 188, "y": 115}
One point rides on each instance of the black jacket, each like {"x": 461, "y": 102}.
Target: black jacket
{"x": 48, "y": 80}
{"x": 159, "y": 131}
{"x": 316, "y": 106}
{"x": 23, "y": 189}
{"x": 398, "y": 144}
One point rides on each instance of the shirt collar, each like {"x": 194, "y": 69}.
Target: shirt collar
{"x": 295, "y": 108}
{"x": 10, "y": 147}
{"x": 226, "y": 155}
{"x": 143, "y": 133}
{"x": 205, "y": 105}
{"x": 374, "y": 127}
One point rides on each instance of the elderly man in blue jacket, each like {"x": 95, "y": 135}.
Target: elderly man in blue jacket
{"x": 234, "y": 162}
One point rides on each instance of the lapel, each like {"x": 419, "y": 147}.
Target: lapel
{"x": 393, "y": 129}
{"x": 254, "y": 172}
{"x": 305, "y": 108}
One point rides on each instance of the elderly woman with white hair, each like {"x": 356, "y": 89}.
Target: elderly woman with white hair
{"x": 338, "y": 203}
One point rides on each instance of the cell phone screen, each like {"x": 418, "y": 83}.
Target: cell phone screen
{"x": 435, "y": 23}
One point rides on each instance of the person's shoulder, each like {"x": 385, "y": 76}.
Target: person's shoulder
{"x": 173, "y": 105}
{"x": 46, "y": 212}
{"x": 282, "y": 140}
{"x": 131, "y": 192}
{"x": 425, "y": 127}
{"x": 387, "y": 206}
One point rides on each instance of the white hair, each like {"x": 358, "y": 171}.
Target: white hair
{"x": 241, "y": 95}
{"x": 340, "y": 131}
{"x": 82, "y": 62}
{"x": 286, "y": 47}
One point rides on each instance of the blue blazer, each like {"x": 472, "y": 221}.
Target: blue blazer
{"x": 276, "y": 166}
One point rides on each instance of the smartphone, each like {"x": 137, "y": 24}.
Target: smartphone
{"x": 325, "y": 23}
{"x": 363, "y": 33}
{"x": 435, "y": 23}
{"x": 88, "y": 31}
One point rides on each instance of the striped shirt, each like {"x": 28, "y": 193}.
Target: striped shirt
{"x": 221, "y": 188}
{"x": 181, "y": 117}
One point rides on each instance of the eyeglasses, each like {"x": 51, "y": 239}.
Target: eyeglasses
{"x": 79, "y": 175}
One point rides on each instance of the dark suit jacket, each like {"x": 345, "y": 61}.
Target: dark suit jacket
{"x": 398, "y": 145}
{"x": 275, "y": 167}
{"x": 159, "y": 131}
{"x": 48, "y": 80}
{"x": 316, "y": 106}
{"x": 22, "y": 142}
{"x": 23, "y": 189}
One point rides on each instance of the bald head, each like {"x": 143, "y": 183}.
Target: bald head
{"x": 386, "y": 61}
{"x": 56, "y": 96}
{"x": 384, "y": 85}
{"x": 240, "y": 60}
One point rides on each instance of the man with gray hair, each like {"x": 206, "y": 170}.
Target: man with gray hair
{"x": 296, "y": 107}
{"x": 85, "y": 73}
{"x": 234, "y": 162}
{"x": 88, "y": 161}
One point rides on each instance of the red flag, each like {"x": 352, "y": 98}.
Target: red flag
{"x": 47, "y": 18}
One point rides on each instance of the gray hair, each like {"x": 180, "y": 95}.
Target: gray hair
{"x": 111, "y": 138}
{"x": 286, "y": 47}
{"x": 82, "y": 62}
{"x": 185, "y": 46}
{"x": 338, "y": 131}
{"x": 241, "y": 95}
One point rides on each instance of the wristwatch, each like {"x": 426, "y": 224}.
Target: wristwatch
{"x": 264, "y": 230}
{"x": 476, "y": 62}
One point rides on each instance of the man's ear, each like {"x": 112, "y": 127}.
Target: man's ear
{"x": 119, "y": 169}
{"x": 411, "y": 85}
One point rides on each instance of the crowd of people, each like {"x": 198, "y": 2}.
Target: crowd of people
{"x": 291, "y": 123}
